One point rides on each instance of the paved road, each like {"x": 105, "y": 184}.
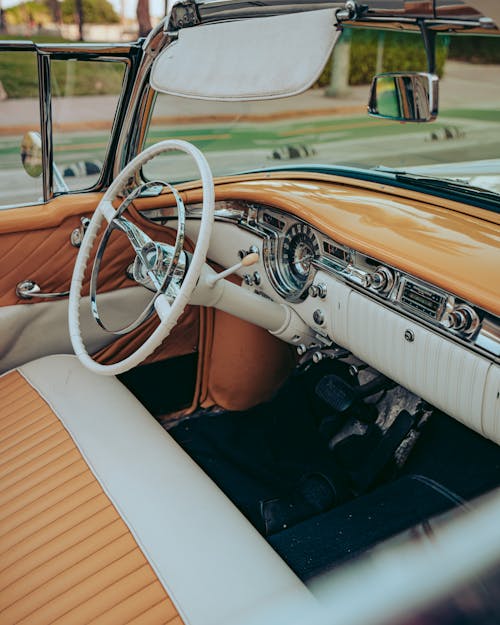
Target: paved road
{"x": 357, "y": 140}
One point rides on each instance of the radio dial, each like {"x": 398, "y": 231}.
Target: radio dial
{"x": 382, "y": 280}
{"x": 462, "y": 319}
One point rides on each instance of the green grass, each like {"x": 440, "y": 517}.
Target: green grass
{"x": 75, "y": 78}
{"x": 18, "y": 74}
{"x": 487, "y": 115}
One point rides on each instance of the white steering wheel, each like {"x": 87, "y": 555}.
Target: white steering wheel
{"x": 168, "y": 308}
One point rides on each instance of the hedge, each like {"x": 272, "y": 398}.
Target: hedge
{"x": 18, "y": 74}
{"x": 475, "y": 49}
{"x": 401, "y": 52}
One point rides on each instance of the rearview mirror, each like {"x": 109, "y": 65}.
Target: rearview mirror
{"x": 409, "y": 97}
{"x": 249, "y": 59}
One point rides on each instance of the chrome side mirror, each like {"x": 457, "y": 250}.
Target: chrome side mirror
{"x": 404, "y": 97}
{"x": 31, "y": 154}
{"x": 31, "y": 158}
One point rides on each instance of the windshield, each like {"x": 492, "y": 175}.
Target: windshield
{"x": 329, "y": 125}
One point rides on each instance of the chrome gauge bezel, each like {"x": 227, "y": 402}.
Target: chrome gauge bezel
{"x": 277, "y": 244}
{"x": 298, "y": 271}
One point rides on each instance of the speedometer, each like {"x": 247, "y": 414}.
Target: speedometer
{"x": 300, "y": 248}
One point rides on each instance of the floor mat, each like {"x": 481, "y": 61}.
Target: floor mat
{"x": 455, "y": 456}
{"x": 271, "y": 453}
{"x": 315, "y": 546}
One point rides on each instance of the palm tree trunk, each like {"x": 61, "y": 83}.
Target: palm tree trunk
{"x": 143, "y": 18}
{"x": 79, "y": 13}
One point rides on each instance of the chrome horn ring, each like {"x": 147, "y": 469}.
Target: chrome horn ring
{"x": 160, "y": 262}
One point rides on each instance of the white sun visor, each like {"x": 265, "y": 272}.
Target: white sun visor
{"x": 252, "y": 59}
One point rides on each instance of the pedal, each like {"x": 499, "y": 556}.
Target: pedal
{"x": 336, "y": 392}
{"x": 383, "y": 454}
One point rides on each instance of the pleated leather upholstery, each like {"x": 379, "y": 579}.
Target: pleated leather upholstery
{"x": 66, "y": 556}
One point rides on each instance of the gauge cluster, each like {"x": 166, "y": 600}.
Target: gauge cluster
{"x": 290, "y": 250}
{"x": 299, "y": 249}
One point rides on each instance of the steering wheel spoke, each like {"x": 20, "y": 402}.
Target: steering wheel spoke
{"x": 135, "y": 235}
{"x": 164, "y": 269}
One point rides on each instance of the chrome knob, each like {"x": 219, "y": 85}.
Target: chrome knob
{"x": 454, "y": 320}
{"x": 382, "y": 280}
{"x": 319, "y": 317}
{"x": 322, "y": 291}
{"x": 248, "y": 279}
{"x": 318, "y": 357}
{"x": 360, "y": 276}
{"x": 463, "y": 318}
{"x": 301, "y": 349}
{"x": 313, "y": 290}
{"x": 354, "y": 370}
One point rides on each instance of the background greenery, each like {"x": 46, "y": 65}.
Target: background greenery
{"x": 405, "y": 52}
{"x": 18, "y": 74}
{"x": 401, "y": 51}
{"x": 41, "y": 12}
{"x": 475, "y": 49}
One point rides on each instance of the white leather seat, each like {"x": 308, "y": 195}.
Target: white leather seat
{"x": 212, "y": 563}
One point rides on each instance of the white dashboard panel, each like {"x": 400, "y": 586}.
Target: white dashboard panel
{"x": 333, "y": 308}
{"x": 447, "y": 375}
{"x": 490, "y": 424}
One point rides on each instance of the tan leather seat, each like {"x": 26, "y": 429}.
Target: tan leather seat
{"x": 104, "y": 519}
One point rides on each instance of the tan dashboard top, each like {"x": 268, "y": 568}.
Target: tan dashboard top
{"x": 435, "y": 240}
{"x": 451, "y": 245}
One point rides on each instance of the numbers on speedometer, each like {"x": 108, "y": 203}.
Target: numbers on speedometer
{"x": 300, "y": 248}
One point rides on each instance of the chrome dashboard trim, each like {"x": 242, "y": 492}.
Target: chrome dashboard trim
{"x": 488, "y": 337}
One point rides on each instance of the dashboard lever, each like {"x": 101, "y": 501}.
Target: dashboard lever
{"x": 247, "y": 261}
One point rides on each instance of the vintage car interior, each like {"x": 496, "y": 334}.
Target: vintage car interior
{"x": 219, "y": 392}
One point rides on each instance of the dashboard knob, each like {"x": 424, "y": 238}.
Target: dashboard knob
{"x": 301, "y": 349}
{"x": 322, "y": 291}
{"x": 313, "y": 290}
{"x": 318, "y": 357}
{"x": 382, "y": 280}
{"x": 319, "y": 317}
{"x": 359, "y": 276}
{"x": 462, "y": 319}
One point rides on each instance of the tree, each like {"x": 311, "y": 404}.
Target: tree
{"x": 93, "y": 12}
{"x": 80, "y": 18}
{"x": 55, "y": 9}
{"x": 143, "y": 17}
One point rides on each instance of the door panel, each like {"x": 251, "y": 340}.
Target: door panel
{"x": 35, "y": 245}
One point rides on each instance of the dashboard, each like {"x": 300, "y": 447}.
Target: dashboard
{"x": 293, "y": 253}
{"x": 431, "y": 340}
{"x": 295, "y": 256}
